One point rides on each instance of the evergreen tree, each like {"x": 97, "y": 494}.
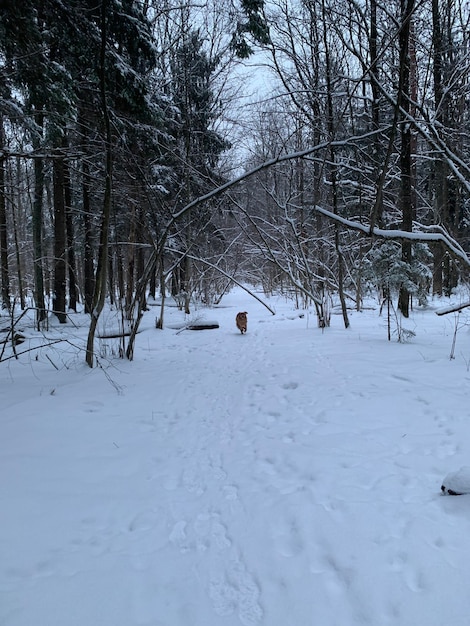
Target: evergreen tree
{"x": 198, "y": 145}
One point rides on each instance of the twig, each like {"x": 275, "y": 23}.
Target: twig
{"x": 52, "y": 362}
{"x": 17, "y": 354}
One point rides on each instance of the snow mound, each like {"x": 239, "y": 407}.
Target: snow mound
{"x": 457, "y": 483}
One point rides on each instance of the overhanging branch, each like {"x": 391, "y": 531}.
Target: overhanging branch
{"x": 399, "y": 235}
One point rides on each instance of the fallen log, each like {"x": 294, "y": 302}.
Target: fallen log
{"x": 115, "y": 335}
{"x": 202, "y": 326}
{"x": 452, "y": 309}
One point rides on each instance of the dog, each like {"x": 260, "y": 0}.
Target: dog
{"x": 241, "y": 322}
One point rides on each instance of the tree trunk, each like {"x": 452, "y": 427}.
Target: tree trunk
{"x": 378, "y": 160}
{"x": 60, "y": 283}
{"x": 37, "y": 234}
{"x": 100, "y": 282}
{"x": 440, "y": 167}
{"x": 140, "y": 266}
{"x": 437, "y": 267}
{"x": 187, "y": 284}
{"x": 5, "y": 275}
{"x": 71, "y": 262}
{"x": 333, "y": 168}
{"x": 153, "y": 286}
{"x": 88, "y": 259}
{"x": 17, "y": 209}
{"x": 161, "y": 269}
{"x": 130, "y": 273}
{"x": 406, "y": 184}
{"x": 111, "y": 287}
{"x": 121, "y": 287}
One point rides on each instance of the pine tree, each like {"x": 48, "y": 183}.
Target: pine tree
{"x": 199, "y": 146}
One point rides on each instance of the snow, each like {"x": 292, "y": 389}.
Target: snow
{"x": 286, "y": 477}
{"x": 457, "y": 483}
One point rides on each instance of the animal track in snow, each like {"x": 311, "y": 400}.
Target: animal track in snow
{"x": 413, "y": 578}
{"x": 287, "y": 539}
{"x": 93, "y": 406}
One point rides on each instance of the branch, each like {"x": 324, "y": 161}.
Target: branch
{"x": 232, "y": 279}
{"x": 45, "y": 345}
{"x": 452, "y": 309}
{"x": 430, "y": 237}
{"x": 267, "y": 164}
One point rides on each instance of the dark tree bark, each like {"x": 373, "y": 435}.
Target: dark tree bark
{"x": 111, "y": 281}
{"x": 440, "y": 168}
{"x": 101, "y": 270}
{"x": 88, "y": 258}
{"x": 17, "y": 209}
{"x": 140, "y": 267}
{"x": 5, "y": 275}
{"x": 333, "y": 172}
{"x": 60, "y": 285}
{"x": 377, "y": 212}
{"x": 71, "y": 262}
{"x": 37, "y": 235}
{"x": 130, "y": 270}
{"x": 406, "y": 167}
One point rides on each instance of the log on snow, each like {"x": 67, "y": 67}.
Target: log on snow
{"x": 203, "y": 326}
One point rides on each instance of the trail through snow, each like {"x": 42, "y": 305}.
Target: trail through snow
{"x": 286, "y": 477}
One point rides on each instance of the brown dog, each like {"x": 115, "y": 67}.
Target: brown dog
{"x": 241, "y": 322}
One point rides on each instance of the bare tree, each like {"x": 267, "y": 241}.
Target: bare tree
{"x": 406, "y": 178}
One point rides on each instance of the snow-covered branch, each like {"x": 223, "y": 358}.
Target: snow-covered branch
{"x": 453, "y": 308}
{"x": 439, "y": 236}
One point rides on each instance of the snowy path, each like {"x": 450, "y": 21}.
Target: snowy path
{"x": 287, "y": 477}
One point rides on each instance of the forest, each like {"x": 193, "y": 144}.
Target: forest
{"x": 164, "y": 148}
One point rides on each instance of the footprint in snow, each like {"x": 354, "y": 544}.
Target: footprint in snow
{"x": 178, "y": 536}
{"x": 287, "y": 539}
{"x": 236, "y": 591}
{"x": 230, "y": 492}
{"x": 211, "y": 531}
{"x": 290, "y": 385}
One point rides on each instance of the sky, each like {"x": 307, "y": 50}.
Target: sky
{"x": 287, "y": 477}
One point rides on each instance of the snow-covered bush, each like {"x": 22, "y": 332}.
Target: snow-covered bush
{"x": 384, "y": 269}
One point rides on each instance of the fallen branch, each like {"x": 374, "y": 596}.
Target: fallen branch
{"x": 203, "y": 326}
{"x": 452, "y": 309}
{"x": 115, "y": 335}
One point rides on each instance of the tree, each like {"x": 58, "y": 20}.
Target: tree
{"x": 198, "y": 147}
{"x": 131, "y": 39}
{"x": 100, "y": 280}
{"x": 5, "y": 274}
{"x": 365, "y": 129}
{"x": 406, "y": 177}
{"x": 21, "y": 44}
{"x": 331, "y": 126}
{"x": 251, "y": 24}
{"x": 60, "y": 241}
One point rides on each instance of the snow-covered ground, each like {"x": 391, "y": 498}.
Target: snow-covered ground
{"x": 286, "y": 477}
